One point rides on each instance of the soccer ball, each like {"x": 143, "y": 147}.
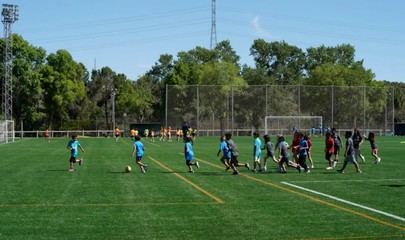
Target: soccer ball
{"x": 128, "y": 169}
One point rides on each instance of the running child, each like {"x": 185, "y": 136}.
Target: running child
{"x": 138, "y": 152}
{"x": 374, "y": 148}
{"x": 303, "y": 152}
{"x": 282, "y": 146}
{"x": 74, "y": 145}
{"x": 349, "y": 153}
{"x": 337, "y": 143}
{"x": 132, "y": 133}
{"x": 257, "y": 152}
{"x": 117, "y": 133}
{"x": 357, "y": 141}
{"x": 268, "y": 146}
{"x": 226, "y": 154}
{"x": 234, "y": 155}
{"x": 178, "y": 134}
{"x": 310, "y": 152}
{"x": 329, "y": 149}
{"x": 189, "y": 155}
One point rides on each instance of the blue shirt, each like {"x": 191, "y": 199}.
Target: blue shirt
{"x": 303, "y": 148}
{"x": 139, "y": 148}
{"x": 188, "y": 151}
{"x": 73, "y": 145}
{"x": 225, "y": 149}
{"x": 257, "y": 149}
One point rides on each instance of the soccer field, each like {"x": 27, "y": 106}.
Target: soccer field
{"x": 40, "y": 199}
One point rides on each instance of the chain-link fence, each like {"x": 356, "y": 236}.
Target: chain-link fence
{"x": 242, "y": 109}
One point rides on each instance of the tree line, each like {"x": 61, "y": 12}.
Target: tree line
{"x": 55, "y": 91}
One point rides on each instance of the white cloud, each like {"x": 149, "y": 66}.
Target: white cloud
{"x": 258, "y": 29}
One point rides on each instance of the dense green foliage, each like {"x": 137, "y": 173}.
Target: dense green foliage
{"x": 40, "y": 199}
{"x": 55, "y": 91}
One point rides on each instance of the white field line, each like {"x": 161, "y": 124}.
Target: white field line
{"x": 350, "y": 180}
{"x": 345, "y": 201}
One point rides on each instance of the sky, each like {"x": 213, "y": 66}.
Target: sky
{"x": 130, "y": 35}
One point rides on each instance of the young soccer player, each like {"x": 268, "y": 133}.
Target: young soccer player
{"x": 178, "y": 134}
{"x": 329, "y": 149}
{"x": 226, "y": 154}
{"x": 268, "y": 146}
{"x": 310, "y": 152}
{"x": 357, "y": 141}
{"x": 303, "y": 152}
{"x": 74, "y": 145}
{"x": 349, "y": 153}
{"x": 234, "y": 154}
{"x": 374, "y": 148}
{"x": 117, "y": 133}
{"x": 295, "y": 145}
{"x": 189, "y": 155}
{"x": 138, "y": 152}
{"x": 46, "y": 135}
{"x": 132, "y": 133}
{"x": 283, "y": 155}
{"x": 257, "y": 152}
{"x": 152, "y": 135}
{"x": 169, "y": 134}
{"x": 337, "y": 143}
{"x": 146, "y": 133}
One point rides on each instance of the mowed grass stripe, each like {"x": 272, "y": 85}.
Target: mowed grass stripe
{"x": 315, "y": 199}
{"x": 205, "y": 192}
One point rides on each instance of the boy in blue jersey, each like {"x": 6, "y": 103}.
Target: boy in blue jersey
{"x": 257, "y": 152}
{"x": 303, "y": 152}
{"x": 226, "y": 154}
{"x": 138, "y": 153}
{"x": 189, "y": 154}
{"x": 74, "y": 145}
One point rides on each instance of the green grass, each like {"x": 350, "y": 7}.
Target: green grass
{"x": 39, "y": 199}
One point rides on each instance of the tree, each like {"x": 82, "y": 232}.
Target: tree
{"x": 63, "y": 83}
{"x": 283, "y": 62}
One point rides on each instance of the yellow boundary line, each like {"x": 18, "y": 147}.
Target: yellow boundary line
{"x": 315, "y": 199}
{"x": 38, "y": 205}
{"x": 213, "y": 197}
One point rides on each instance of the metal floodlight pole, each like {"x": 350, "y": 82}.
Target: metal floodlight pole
{"x": 213, "y": 41}
{"x": 9, "y": 16}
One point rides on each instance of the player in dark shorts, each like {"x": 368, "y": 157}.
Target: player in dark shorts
{"x": 268, "y": 146}
{"x": 374, "y": 148}
{"x": 357, "y": 141}
{"x": 234, "y": 154}
{"x": 282, "y": 146}
{"x": 337, "y": 143}
{"x": 349, "y": 153}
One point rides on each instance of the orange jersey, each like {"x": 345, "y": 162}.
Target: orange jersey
{"x": 133, "y": 133}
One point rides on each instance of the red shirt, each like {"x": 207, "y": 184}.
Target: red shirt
{"x": 329, "y": 145}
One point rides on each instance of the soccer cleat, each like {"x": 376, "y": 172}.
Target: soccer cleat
{"x": 191, "y": 171}
{"x": 378, "y": 161}
{"x": 227, "y": 168}
{"x": 308, "y": 171}
{"x": 247, "y": 166}
{"x": 359, "y": 171}
{"x": 81, "y": 162}
{"x": 71, "y": 170}
{"x": 340, "y": 171}
{"x": 363, "y": 159}
{"x": 299, "y": 169}
{"x": 312, "y": 166}
{"x": 235, "y": 173}
{"x": 197, "y": 164}
{"x": 329, "y": 168}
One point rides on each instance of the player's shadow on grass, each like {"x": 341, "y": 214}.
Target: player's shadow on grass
{"x": 393, "y": 185}
{"x": 117, "y": 172}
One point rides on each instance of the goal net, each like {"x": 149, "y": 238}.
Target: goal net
{"x": 7, "y": 133}
{"x": 287, "y": 124}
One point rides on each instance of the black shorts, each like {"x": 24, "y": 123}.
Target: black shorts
{"x": 336, "y": 151}
{"x": 234, "y": 160}
{"x": 117, "y": 135}
{"x": 328, "y": 156}
{"x": 284, "y": 160}
{"x": 138, "y": 159}
{"x": 72, "y": 159}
